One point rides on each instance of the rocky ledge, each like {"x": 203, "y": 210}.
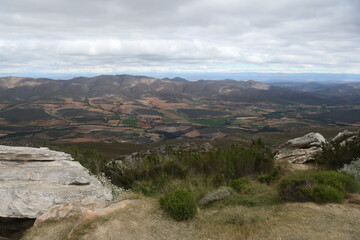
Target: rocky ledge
{"x": 306, "y": 148}
{"x": 301, "y": 149}
{"x": 32, "y": 180}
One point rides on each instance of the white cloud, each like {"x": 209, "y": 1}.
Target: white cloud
{"x": 202, "y": 35}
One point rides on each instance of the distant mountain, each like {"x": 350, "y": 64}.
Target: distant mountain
{"x": 342, "y": 92}
{"x": 14, "y": 89}
{"x": 300, "y": 86}
{"x": 348, "y": 89}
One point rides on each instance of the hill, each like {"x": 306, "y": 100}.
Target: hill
{"x": 140, "y": 109}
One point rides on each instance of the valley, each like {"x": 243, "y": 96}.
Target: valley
{"x": 144, "y": 110}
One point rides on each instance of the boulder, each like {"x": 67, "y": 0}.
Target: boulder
{"x": 205, "y": 147}
{"x": 346, "y": 136}
{"x": 32, "y": 180}
{"x": 216, "y": 195}
{"x": 302, "y": 149}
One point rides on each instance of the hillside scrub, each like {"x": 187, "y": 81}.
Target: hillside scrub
{"x": 221, "y": 165}
{"x": 320, "y": 187}
{"x": 352, "y": 168}
{"x": 179, "y": 204}
{"x": 240, "y": 184}
{"x": 336, "y": 155}
{"x": 91, "y": 159}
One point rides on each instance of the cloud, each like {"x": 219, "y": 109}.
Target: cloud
{"x": 188, "y": 35}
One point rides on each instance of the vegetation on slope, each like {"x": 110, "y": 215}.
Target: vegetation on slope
{"x": 336, "y": 154}
{"x": 176, "y": 181}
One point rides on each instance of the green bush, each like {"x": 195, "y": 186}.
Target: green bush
{"x": 322, "y": 193}
{"x": 240, "y": 184}
{"x": 179, "y": 204}
{"x": 336, "y": 155}
{"x": 268, "y": 178}
{"x": 233, "y": 161}
{"x": 219, "y": 164}
{"x": 265, "y": 178}
{"x": 321, "y": 187}
{"x": 338, "y": 180}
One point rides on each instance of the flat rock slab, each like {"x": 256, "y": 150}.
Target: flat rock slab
{"x": 71, "y": 172}
{"x": 31, "y": 154}
{"x": 32, "y": 180}
{"x": 24, "y": 199}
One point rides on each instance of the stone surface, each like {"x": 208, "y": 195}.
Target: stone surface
{"x": 31, "y": 154}
{"x": 216, "y": 195}
{"x": 84, "y": 210}
{"x": 302, "y": 149}
{"x": 32, "y": 180}
{"x": 70, "y": 209}
{"x": 346, "y": 136}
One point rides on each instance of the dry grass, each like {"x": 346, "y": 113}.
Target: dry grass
{"x": 50, "y": 229}
{"x": 144, "y": 219}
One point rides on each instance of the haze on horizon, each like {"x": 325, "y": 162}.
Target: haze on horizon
{"x": 40, "y": 37}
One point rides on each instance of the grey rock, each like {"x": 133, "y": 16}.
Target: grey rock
{"x": 307, "y": 141}
{"x": 345, "y": 136}
{"x": 205, "y": 147}
{"x": 302, "y": 149}
{"x": 32, "y": 180}
{"x": 216, "y": 195}
{"x": 31, "y": 154}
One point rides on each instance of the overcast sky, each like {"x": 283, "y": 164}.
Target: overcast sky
{"x": 133, "y": 36}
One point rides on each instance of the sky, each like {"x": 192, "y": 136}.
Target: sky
{"x": 72, "y": 37}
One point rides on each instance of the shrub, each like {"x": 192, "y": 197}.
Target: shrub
{"x": 265, "y": 178}
{"x": 352, "y": 169}
{"x": 179, "y": 204}
{"x": 233, "y": 162}
{"x": 220, "y": 165}
{"x": 174, "y": 169}
{"x": 268, "y": 178}
{"x": 336, "y": 155}
{"x": 295, "y": 189}
{"x": 321, "y": 187}
{"x": 219, "y": 180}
{"x": 89, "y": 158}
{"x": 146, "y": 188}
{"x": 106, "y": 182}
{"x": 341, "y": 181}
{"x": 240, "y": 184}
{"x": 322, "y": 193}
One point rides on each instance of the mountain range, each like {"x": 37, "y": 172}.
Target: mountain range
{"x": 127, "y": 107}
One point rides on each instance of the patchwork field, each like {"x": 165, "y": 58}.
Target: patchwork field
{"x": 138, "y": 109}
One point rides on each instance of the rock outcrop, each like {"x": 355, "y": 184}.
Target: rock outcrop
{"x": 301, "y": 150}
{"x": 85, "y": 209}
{"x": 32, "y": 180}
{"x": 216, "y": 195}
{"x": 346, "y": 136}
